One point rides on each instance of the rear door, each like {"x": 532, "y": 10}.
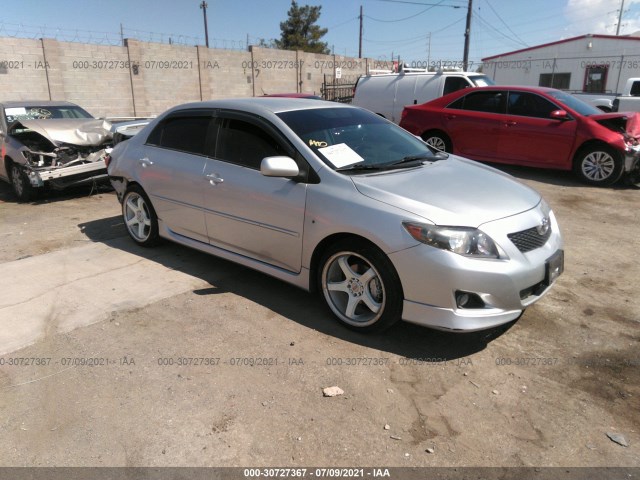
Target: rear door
{"x": 530, "y": 136}
{"x": 245, "y": 212}
{"x": 474, "y": 123}
{"x": 170, "y": 168}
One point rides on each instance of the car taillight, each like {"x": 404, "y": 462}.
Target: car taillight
{"x": 107, "y": 160}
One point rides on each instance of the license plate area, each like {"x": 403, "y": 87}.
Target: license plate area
{"x": 554, "y": 267}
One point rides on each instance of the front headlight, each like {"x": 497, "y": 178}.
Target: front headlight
{"x": 461, "y": 240}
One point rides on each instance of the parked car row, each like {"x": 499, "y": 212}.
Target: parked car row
{"x": 325, "y": 196}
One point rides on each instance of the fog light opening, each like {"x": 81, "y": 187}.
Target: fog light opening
{"x": 468, "y": 300}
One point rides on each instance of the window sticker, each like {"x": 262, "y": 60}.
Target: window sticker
{"x": 15, "y": 111}
{"x": 341, "y": 155}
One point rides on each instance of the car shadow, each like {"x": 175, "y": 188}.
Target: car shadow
{"x": 304, "y": 308}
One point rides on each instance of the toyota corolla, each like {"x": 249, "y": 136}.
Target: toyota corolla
{"x": 335, "y": 199}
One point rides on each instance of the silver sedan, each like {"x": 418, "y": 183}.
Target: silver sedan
{"x": 333, "y": 198}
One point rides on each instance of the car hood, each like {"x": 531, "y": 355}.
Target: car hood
{"x": 81, "y": 132}
{"x": 628, "y": 122}
{"x": 450, "y": 192}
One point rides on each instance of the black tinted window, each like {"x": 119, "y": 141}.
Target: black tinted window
{"x": 529, "y": 105}
{"x": 246, "y": 144}
{"x": 491, "y": 102}
{"x": 187, "y": 134}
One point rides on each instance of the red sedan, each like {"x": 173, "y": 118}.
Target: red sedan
{"x": 531, "y": 126}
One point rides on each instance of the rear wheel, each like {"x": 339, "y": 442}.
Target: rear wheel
{"x": 438, "y": 140}
{"x": 598, "y": 165}
{"x": 22, "y": 187}
{"x": 140, "y": 217}
{"x": 361, "y": 286}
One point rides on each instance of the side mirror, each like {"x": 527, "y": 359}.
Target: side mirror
{"x": 560, "y": 115}
{"x": 279, "y": 167}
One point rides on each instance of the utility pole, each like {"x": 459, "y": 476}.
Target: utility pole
{"x": 121, "y": 35}
{"x": 204, "y": 6}
{"x": 429, "y": 51}
{"x": 620, "y": 18}
{"x": 360, "y": 43}
{"x": 467, "y": 35}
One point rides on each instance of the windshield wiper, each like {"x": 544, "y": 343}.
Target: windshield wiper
{"x": 358, "y": 166}
{"x": 417, "y": 158}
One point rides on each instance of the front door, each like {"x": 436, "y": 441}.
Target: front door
{"x": 246, "y": 212}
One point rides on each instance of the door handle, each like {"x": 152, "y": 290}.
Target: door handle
{"x": 450, "y": 117}
{"x": 214, "y": 179}
{"x": 145, "y": 162}
{"x": 510, "y": 123}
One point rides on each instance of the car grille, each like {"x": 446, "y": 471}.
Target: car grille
{"x": 529, "y": 239}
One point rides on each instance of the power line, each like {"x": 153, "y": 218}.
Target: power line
{"x": 439, "y": 4}
{"x": 505, "y": 24}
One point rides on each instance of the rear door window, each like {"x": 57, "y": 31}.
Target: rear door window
{"x": 490, "y": 102}
{"x": 185, "y": 133}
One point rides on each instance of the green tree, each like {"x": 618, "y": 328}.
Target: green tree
{"x": 299, "y": 31}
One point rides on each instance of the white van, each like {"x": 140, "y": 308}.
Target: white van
{"x": 387, "y": 94}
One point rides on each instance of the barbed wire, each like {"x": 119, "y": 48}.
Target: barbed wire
{"x": 21, "y": 30}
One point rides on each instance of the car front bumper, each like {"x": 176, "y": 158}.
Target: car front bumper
{"x": 506, "y": 285}
{"x": 67, "y": 176}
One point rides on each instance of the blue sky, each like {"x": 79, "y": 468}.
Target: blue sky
{"x": 390, "y": 27}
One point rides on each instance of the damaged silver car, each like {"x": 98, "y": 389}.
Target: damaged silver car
{"x": 52, "y": 143}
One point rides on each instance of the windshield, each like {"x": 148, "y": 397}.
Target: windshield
{"x": 44, "y": 113}
{"x": 481, "y": 81}
{"x": 574, "y": 103}
{"x": 351, "y": 138}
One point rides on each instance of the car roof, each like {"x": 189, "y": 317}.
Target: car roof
{"x": 262, "y": 105}
{"x": 510, "y": 87}
{"x": 36, "y": 103}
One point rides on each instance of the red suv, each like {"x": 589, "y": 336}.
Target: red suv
{"x": 531, "y": 126}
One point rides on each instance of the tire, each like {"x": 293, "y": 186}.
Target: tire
{"x": 22, "y": 188}
{"x": 139, "y": 217}
{"x": 598, "y": 165}
{"x": 438, "y": 140}
{"x": 360, "y": 286}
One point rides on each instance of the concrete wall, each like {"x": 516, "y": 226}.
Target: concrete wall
{"x": 143, "y": 79}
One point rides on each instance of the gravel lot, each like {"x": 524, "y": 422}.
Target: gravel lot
{"x": 544, "y": 391}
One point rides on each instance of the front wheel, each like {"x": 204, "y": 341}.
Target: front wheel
{"x": 22, "y": 188}
{"x": 600, "y": 165}
{"x": 361, "y": 286}
{"x": 140, "y": 217}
